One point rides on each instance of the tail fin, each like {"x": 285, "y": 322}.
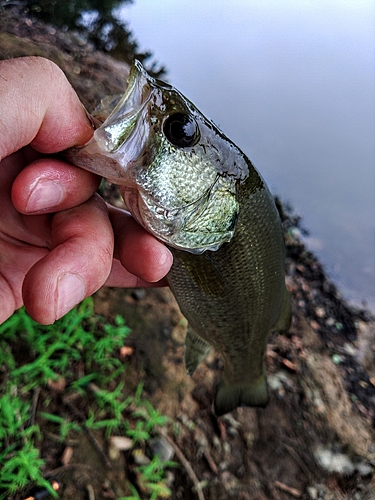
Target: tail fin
{"x": 229, "y": 396}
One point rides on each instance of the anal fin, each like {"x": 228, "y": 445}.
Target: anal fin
{"x": 196, "y": 349}
{"x": 283, "y": 323}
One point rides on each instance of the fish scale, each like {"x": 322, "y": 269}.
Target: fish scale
{"x": 237, "y": 319}
{"x": 193, "y": 189}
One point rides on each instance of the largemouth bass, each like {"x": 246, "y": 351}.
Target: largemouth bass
{"x": 191, "y": 187}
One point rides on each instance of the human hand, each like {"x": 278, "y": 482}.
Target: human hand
{"x": 59, "y": 241}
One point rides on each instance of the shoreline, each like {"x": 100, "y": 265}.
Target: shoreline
{"x": 321, "y": 372}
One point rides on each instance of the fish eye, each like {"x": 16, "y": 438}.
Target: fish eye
{"x": 181, "y": 130}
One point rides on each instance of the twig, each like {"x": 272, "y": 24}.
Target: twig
{"x": 297, "y": 458}
{"x": 211, "y": 462}
{"x": 97, "y": 446}
{"x": 78, "y": 414}
{"x": 90, "y": 491}
{"x": 59, "y": 470}
{"x": 284, "y": 487}
{"x": 201, "y": 440}
{"x": 289, "y": 364}
{"x": 185, "y": 464}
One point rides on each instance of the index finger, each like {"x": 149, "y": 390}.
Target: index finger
{"x": 38, "y": 106}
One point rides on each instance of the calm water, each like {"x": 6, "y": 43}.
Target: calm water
{"x": 293, "y": 84}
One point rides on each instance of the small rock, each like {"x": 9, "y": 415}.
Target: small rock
{"x": 350, "y": 349}
{"x": 67, "y": 455}
{"x": 314, "y": 325}
{"x": 320, "y": 312}
{"x": 57, "y": 385}
{"x": 278, "y": 381}
{"x": 118, "y": 444}
{"x": 162, "y": 448}
{"x": 312, "y": 492}
{"x": 126, "y": 351}
{"x": 231, "y": 421}
{"x": 364, "y": 469}
{"x": 140, "y": 458}
{"x": 139, "y": 294}
{"x": 334, "y": 462}
{"x": 227, "y": 448}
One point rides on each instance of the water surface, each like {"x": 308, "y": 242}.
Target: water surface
{"x": 292, "y": 83}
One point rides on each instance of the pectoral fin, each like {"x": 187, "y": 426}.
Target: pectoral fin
{"x": 230, "y": 396}
{"x": 196, "y": 349}
{"x": 202, "y": 271}
{"x": 283, "y": 323}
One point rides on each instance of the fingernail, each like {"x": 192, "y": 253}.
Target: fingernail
{"x": 94, "y": 123}
{"x": 167, "y": 257}
{"x": 46, "y": 194}
{"x": 71, "y": 290}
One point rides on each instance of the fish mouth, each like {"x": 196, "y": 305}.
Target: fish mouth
{"x": 121, "y": 123}
{"x": 119, "y": 141}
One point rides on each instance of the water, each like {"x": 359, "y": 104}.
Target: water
{"x": 292, "y": 83}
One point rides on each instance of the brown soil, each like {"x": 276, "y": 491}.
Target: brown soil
{"x": 315, "y": 439}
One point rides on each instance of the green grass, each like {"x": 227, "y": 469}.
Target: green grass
{"x": 82, "y": 350}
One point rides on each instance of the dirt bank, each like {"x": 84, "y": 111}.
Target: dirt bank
{"x": 315, "y": 439}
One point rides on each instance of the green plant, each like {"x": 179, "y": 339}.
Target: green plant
{"x": 65, "y": 426}
{"x": 80, "y": 349}
{"x": 110, "y": 425}
{"x": 152, "y": 417}
{"x": 152, "y": 478}
{"x": 54, "y": 349}
{"x": 139, "y": 434}
{"x": 112, "y": 401}
{"x": 52, "y": 352}
{"x": 19, "y": 458}
{"x": 20, "y": 468}
{"x": 134, "y": 496}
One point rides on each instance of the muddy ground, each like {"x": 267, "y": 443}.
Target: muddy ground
{"x": 315, "y": 439}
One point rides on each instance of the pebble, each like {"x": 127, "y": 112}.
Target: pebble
{"x": 118, "y": 444}
{"x": 334, "y": 462}
{"x": 162, "y": 448}
{"x": 227, "y": 448}
{"x": 340, "y": 463}
{"x": 140, "y": 458}
{"x": 364, "y": 469}
{"x": 232, "y": 421}
{"x": 314, "y": 325}
{"x": 277, "y": 383}
{"x": 350, "y": 349}
{"x": 312, "y": 492}
{"x": 67, "y": 455}
{"x": 320, "y": 312}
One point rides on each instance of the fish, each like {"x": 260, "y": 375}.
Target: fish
{"x": 191, "y": 187}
